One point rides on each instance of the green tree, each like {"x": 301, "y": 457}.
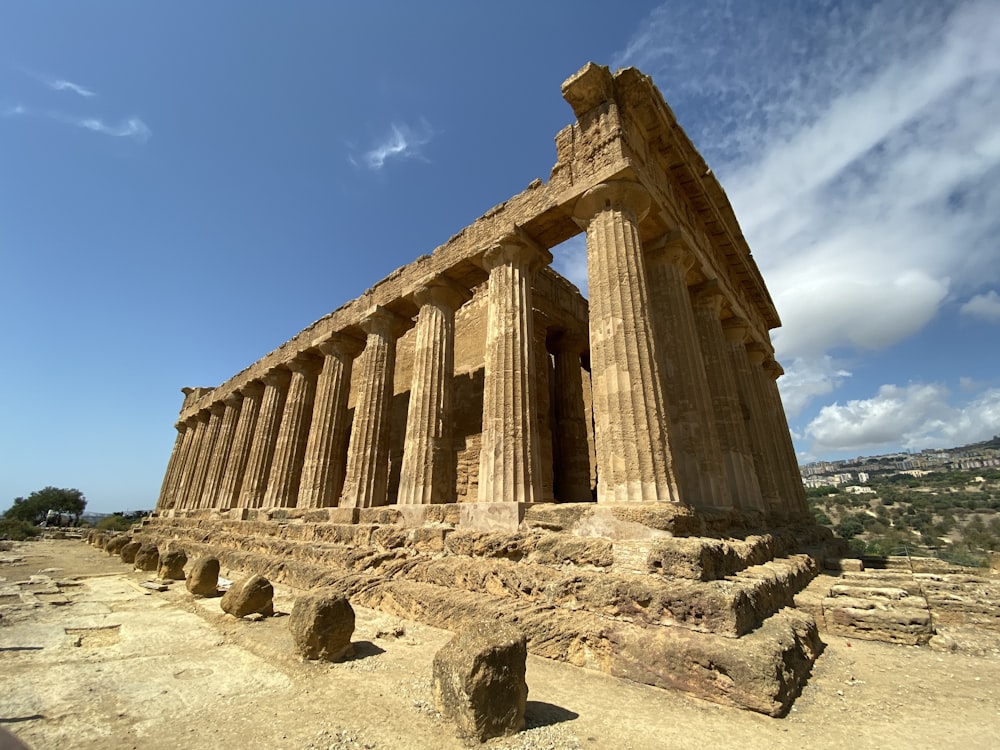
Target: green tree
{"x": 36, "y": 506}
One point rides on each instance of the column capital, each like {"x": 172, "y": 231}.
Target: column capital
{"x": 384, "y": 322}
{"x": 735, "y": 329}
{"x": 277, "y": 376}
{"x": 441, "y": 291}
{"x": 302, "y": 364}
{"x": 757, "y": 352}
{"x": 772, "y": 368}
{"x": 203, "y": 416}
{"x": 676, "y": 246}
{"x": 623, "y": 195}
{"x": 340, "y": 344}
{"x": 252, "y": 389}
{"x": 180, "y": 424}
{"x": 517, "y": 251}
{"x": 233, "y": 398}
{"x": 217, "y": 408}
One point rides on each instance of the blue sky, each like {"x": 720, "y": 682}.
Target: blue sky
{"x": 184, "y": 186}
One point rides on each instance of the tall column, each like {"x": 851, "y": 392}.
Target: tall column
{"x": 326, "y": 450}
{"x": 265, "y": 436}
{"x": 191, "y": 463}
{"x": 756, "y": 354}
{"x": 735, "y": 330}
{"x": 509, "y": 468}
{"x": 572, "y": 462}
{"x": 223, "y": 445}
{"x": 367, "y": 477}
{"x": 630, "y": 419}
{"x": 543, "y": 406}
{"x": 693, "y": 440}
{"x": 196, "y": 491}
{"x": 786, "y": 449}
{"x": 428, "y": 471}
{"x": 731, "y": 428}
{"x": 232, "y": 478}
{"x": 290, "y": 448}
{"x": 163, "y": 501}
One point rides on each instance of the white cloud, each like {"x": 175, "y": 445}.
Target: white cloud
{"x": 859, "y": 147}
{"x": 61, "y": 85}
{"x": 916, "y": 416}
{"x": 402, "y": 142}
{"x": 133, "y": 128}
{"x": 985, "y": 306}
{"x": 806, "y": 379}
{"x": 569, "y": 259}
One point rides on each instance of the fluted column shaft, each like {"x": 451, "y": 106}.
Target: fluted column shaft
{"x": 730, "y": 425}
{"x": 162, "y": 501}
{"x": 543, "y": 395}
{"x": 290, "y": 447}
{"x": 265, "y": 437}
{"x": 192, "y": 463}
{"x": 367, "y": 477}
{"x": 326, "y": 449}
{"x": 509, "y": 469}
{"x": 693, "y": 440}
{"x": 786, "y": 448}
{"x": 428, "y": 471}
{"x": 232, "y": 479}
{"x": 223, "y": 445}
{"x": 572, "y": 462}
{"x": 735, "y": 332}
{"x": 205, "y": 451}
{"x": 630, "y": 419}
{"x": 756, "y": 356}
{"x": 178, "y": 481}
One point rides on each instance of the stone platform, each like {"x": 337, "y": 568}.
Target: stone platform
{"x": 698, "y": 612}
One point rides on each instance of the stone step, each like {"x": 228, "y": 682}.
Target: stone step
{"x": 762, "y": 671}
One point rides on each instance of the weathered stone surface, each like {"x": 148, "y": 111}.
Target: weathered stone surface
{"x": 321, "y": 623}
{"x": 114, "y": 544}
{"x": 249, "y": 596}
{"x": 147, "y": 557}
{"x": 172, "y": 565}
{"x": 129, "y": 551}
{"x": 101, "y": 540}
{"x": 479, "y": 680}
{"x": 203, "y": 577}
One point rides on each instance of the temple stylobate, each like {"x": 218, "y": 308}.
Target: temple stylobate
{"x": 478, "y": 377}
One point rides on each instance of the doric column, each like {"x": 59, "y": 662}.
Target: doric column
{"x": 205, "y": 450}
{"x": 232, "y": 479}
{"x": 731, "y": 428}
{"x": 326, "y": 450}
{"x": 367, "y": 477}
{"x": 290, "y": 448}
{"x": 735, "y": 330}
{"x": 265, "y": 436}
{"x": 428, "y": 471}
{"x": 694, "y": 443}
{"x": 572, "y": 460}
{"x": 188, "y": 452}
{"x": 223, "y": 445}
{"x": 630, "y": 420}
{"x": 193, "y": 458}
{"x": 163, "y": 502}
{"x": 509, "y": 468}
{"x": 543, "y": 406}
{"x": 756, "y": 354}
{"x": 786, "y": 449}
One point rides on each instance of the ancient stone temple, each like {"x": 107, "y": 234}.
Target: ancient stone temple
{"x": 470, "y": 437}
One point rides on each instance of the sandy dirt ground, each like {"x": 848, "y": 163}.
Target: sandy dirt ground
{"x": 90, "y": 659}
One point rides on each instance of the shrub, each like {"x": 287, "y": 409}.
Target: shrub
{"x": 16, "y": 529}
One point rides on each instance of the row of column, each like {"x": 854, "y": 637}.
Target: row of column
{"x": 686, "y": 407}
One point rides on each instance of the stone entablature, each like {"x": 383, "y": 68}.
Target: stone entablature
{"x": 477, "y": 374}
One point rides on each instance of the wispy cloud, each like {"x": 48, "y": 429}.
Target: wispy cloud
{"x": 132, "y": 127}
{"x": 402, "y": 142}
{"x": 62, "y": 85}
{"x": 859, "y": 147}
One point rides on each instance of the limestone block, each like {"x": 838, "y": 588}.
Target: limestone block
{"x": 248, "y": 596}
{"x": 321, "y": 623}
{"x": 147, "y": 557}
{"x": 172, "y": 565}
{"x": 115, "y": 544}
{"x": 203, "y": 578}
{"x": 129, "y": 550}
{"x": 479, "y": 683}
{"x": 101, "y": 540}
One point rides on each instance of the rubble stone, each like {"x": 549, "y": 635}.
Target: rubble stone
{"x": 322, "y": 622}
{"x": 248, "y": 596}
